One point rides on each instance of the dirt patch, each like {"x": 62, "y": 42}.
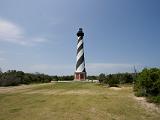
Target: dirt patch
{"x": 63, "y": 92}
{"x": 115, "y": 88}
{"x": 78, "y": 92}
{"x": 148, "y": 106}
{"x": 12, "y": 89}
{"x": 44, "y": 92}
{"x": 93, "y": 110}
{"x": 15, "y": 89}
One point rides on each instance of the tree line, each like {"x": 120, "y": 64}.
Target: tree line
{"x": 114, "y": 79}
{"x": 63, "y": 78}
{"x": 13, "y": 78}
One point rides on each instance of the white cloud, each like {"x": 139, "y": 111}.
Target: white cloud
{"x": 11, "y": 32}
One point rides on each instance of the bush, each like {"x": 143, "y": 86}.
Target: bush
{"x": 102, "y": 78}
{"x": 112, "y": 80}
{"x": 63, "y": 78}
{"x": 125, "y": 78}
{"x": 9, "y": 81}
{"x": 140, "y": 93}
{"x": 149, "y": 80}
{"x": 92, "y": 77}
{"x": 148, "y": 84}
{"x": 115, "y": 79}
{"x": 155, "y": 99}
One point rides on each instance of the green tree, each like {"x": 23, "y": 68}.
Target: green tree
{"x": 102, "y": 78}
{"x": 112, "y": 80}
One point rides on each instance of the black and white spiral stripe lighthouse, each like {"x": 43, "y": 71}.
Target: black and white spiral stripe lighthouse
{"x": 80, "y": 73}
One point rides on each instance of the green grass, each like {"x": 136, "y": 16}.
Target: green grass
{"x": 72, "y": 101}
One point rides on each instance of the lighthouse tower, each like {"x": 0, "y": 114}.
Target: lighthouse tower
{"x": 80, "y": 73}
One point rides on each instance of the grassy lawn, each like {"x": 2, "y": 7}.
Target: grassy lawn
{"x": 72, "y": 101}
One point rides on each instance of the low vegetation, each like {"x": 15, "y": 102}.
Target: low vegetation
{"x": 14, "y": 78}
{"x": 63, "y": 78}
{"x": 147, "y": 84}
{"x": 114, "y": 80}
{"x": 72, "y": 101}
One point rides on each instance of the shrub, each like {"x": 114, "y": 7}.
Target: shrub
{"x": 148, "y": 84}
{"x": 155, "y": 99}
{"x": 9, "y": 81}
{"x": 115, "y": 79}
{"x": 149, "y": 80}
{"x": 102, "y": 78}
{"x": 13, "y": 77}
{"x": 112, "y": 80}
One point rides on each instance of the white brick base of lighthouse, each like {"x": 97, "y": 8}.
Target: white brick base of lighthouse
{"x": 80, "y": 73}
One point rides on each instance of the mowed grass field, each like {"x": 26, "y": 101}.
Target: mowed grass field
{"x": 72, "y": 101}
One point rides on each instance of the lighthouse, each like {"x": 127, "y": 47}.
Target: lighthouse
{"x": 80, "y": 73}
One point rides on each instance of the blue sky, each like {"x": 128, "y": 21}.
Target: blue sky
{"x": 40, "y": 35}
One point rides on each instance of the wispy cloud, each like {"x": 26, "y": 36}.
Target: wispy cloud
{"x": 107, "y": 65}
{"x": 97, "y": 68}
{"x": 13, "y": 33}
{"x": 52, "y": 69}
{"x": 2, "y": 52}
{"x": 2, "y": 59}
{"x": 92, "y": 68}
{"x": 1, "y": 56}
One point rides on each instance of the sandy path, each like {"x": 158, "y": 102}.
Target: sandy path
{"x": 148, "y": 106}
{"x": 12, "y": 89}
